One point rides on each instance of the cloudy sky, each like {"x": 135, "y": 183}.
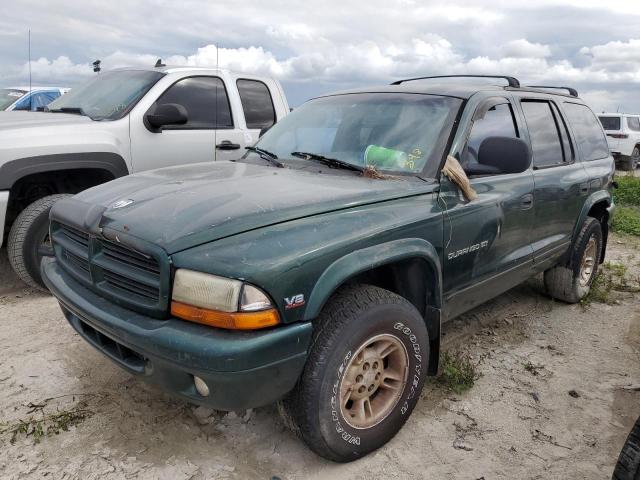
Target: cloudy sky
{"x": 317, "y": 46}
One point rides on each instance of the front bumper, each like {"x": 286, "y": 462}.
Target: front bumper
{"x": 4, "y": 202}
{"x": 242, "y": 369}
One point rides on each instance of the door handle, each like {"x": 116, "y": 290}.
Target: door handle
{"x": 526, "y": 201}
{"x": 227, "y": 145}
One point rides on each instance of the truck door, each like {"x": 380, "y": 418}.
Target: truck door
{"x": 487, "y": 241}
{"x": 561, "y": 183}
{"x": 209, "y": 134}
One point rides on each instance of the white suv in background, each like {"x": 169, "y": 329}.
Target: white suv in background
{"x": 623, "y": 135}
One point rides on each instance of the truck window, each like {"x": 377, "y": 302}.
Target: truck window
{"x": 544, "y": 133}
{"x": 256, "y": 103}
{"x": 497, "y": 122}
{"x": 206, "y": 102}
{"x": 589, "y": 134}
{"x": 610, "y": 123}
{"x": 633, "y": 123}
{"x": 567, "y": 146}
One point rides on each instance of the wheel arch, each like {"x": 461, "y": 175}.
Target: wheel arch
{"x": 409, "y": 267}
{"x": 596, "y": 206}
{"x": 28, "y": 179}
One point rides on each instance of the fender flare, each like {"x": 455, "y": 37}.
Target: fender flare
{"x": 596, "y": 197}
{"x": 14, "y": 170}
{"x": 369, "y": 258}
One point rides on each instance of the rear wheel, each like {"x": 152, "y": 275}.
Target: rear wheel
{"x": 628, "y": 466}
{"x": 29, "y": 239}
{"x": 572, "y": 282}
{"x": 631, "y": 162}
{"x": 364, "y": 374}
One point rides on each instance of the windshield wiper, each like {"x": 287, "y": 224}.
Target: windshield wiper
{"x": 272, "y": 158}
{"x": 329, "y": 162}
{"x": 76, "y": 110}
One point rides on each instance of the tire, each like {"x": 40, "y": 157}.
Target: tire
{"x": 28, "y": 233}
{"x": 358, "y": 321}
{"x": 630, "y": 163}
{"x": 628, "y": 466}
{"x": 570, "y": 283}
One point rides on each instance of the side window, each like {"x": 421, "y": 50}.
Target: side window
{"x": 544, "y": 133}
{"x": 256, "y": 103}
{"x": 633, "y": 123}
{"x": 588, "y": 132}
{"x": 498, "y": 121}
{"x": 43, "y": 99}
{"x": 24, "y": 103}
{"x": 567, "y": 146}
{"x": 205, "y": 100}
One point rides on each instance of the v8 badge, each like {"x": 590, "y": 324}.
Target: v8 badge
{"x": 294, "y": 302}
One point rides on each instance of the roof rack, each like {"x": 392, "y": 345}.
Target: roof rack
{"x": 572, "y": 91}
{"x": 512, "y": 81}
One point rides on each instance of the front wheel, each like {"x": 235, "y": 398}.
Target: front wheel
{"x": 364, "y": 374}
{"x": 628, "y": 466}
{"x": 29, "y": 238}
{"x": 571, "y": 282}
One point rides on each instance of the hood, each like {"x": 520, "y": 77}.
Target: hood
{"x": 18, "y": 120}
{"x": 181, "y": 207}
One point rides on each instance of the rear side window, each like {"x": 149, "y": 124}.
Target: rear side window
{"x": 633, "y": 123}
{"x": 610, "y": 123}
{"x": 497, "y": 122}
{"x": 205, "y": 100}
{"x": 256, "y": 103}
{"x": 589, "y": 135}
{"x": 544, "y": 133}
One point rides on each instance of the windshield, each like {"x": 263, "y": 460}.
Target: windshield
{"x": 395, "y": 132}
{"x": 8, "y": 96}
{"x": 610, "y": 123}
{"x": 109, "y": 95}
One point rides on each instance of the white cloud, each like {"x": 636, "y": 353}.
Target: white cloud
{"x": 522, "y": 48}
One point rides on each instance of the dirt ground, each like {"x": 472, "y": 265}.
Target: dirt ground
{"x": 518, "y": 421}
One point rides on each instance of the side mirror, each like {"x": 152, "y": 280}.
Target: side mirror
{"x": 501, "y": 155}
{"x": 167, "y": 114}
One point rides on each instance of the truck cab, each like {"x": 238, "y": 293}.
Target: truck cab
{"x": 120, "y": 122}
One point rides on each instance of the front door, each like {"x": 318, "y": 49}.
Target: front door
{"x": 208, "y": 135}
{"x": 487, "y": 241}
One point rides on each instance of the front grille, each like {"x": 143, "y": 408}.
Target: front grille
{"x": 130, "y": 276}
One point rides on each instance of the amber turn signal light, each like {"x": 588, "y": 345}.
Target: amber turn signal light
{"x": 228, "y": 320}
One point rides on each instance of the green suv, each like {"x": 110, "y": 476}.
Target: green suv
{"x": 317, "y": 269}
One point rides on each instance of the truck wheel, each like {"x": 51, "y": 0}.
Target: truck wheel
{"x": 630, "y": 163}
{"x": 28, "y": 237}
{"x": 571, "y": 282}
{"x": 628, "y": 466}
{"x": 366, "y": 367}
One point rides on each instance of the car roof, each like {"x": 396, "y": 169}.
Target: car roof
{"x": 450, "y": 88}
{"x": 603, "y": 114}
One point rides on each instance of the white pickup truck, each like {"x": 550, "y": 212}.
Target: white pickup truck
{"x": 120, "y": 122}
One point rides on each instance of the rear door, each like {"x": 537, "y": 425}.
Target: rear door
{"x": 614, "y": 129}
{"x": 211, "y": 132}
{"x": 561, "y": 183}
{"x": 487, "y": 241}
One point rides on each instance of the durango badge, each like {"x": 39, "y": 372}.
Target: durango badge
{"x": 294, "y": 302}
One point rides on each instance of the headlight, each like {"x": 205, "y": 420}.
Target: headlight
{"x": 221, "y": 302}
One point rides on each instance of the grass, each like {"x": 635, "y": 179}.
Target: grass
{"x": 44, "y": 425}
{"x": 458, "y": 373}
{"x": 628, "y": 191}
{"x": 627, "y": 195}
{"x": 627, "y": 220}
{"x": 611, "y": 278}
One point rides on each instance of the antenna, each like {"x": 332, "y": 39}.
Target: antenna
{"x": 215, "y": 114}
{"x": 30, "y": 96}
